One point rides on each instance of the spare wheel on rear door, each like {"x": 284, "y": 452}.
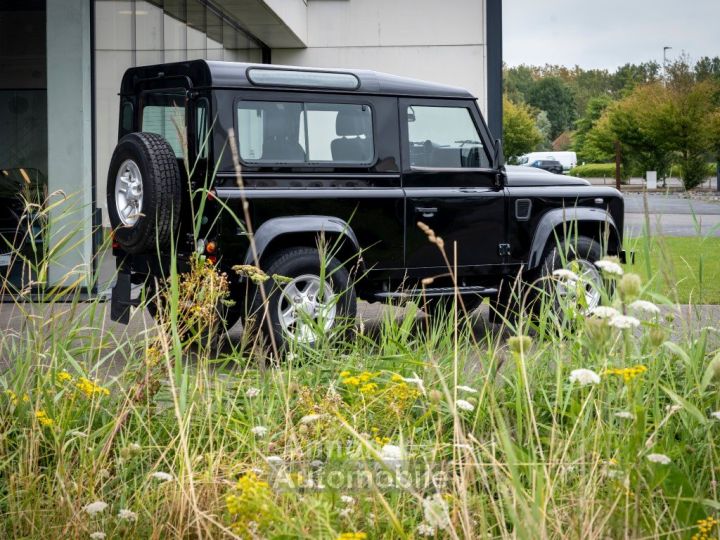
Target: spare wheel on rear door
{"x": 143, "y": 192}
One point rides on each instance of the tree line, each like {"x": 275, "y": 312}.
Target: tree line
{"x": 662, "y": 117}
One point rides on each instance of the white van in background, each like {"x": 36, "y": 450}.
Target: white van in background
{"x": 568, "y": 159}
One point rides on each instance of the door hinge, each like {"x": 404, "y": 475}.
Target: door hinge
{"x": 504, "y": 250}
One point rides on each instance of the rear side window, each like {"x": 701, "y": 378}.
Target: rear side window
{"x": 444, "y": 137}
{"x": 164, "y": 114}
{"x": 296, "y": 133}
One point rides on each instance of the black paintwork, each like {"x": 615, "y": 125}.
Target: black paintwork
{"x": 372, "y": 209}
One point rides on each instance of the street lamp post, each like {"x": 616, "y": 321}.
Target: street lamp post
{"x": 665, "y": 50}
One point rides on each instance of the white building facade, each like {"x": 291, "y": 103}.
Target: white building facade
{"x": 59, "y": 97}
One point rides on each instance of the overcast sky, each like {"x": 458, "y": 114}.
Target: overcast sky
{"x": 608, "y": 33}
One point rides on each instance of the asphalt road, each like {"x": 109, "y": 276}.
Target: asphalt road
{"x": 672, "y": 216}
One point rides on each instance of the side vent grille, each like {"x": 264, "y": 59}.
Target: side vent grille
{"x": 523, "y": 208}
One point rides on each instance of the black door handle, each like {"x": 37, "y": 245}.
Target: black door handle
{"x": 427, "y": 212}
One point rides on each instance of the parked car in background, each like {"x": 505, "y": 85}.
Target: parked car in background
{"x": 549, "y": 165}
{"x": 567, "y": 159}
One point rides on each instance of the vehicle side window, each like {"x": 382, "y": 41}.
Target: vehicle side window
{"x": 286, "y": 132}
{"x": 201, "y": 127}
{"x": 164, "y": 114}
{"x": 444, "y": 137}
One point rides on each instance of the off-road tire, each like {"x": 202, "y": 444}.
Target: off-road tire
{"x": 162, "y": 188}
{"x": 291, "y": 263}
{"x": 579, "y": 248}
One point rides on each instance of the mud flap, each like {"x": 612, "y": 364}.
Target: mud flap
{"x": 120, "y": 302}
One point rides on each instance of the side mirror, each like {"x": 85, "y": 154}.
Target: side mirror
{"x": 498, "y": 156}
{"x": 410, "y": 114}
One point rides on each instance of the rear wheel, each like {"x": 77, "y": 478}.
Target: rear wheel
{"x": 311, "y": 299}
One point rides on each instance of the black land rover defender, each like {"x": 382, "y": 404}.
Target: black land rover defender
{"x": 357, "y": 157}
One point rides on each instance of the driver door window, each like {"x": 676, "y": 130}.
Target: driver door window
{"x": 444, "y": 138}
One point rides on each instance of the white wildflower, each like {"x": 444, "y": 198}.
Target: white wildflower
{"x": 609, "y": 267}
{"x": 80, "y": 434}
{"x": 162, "y": 476}
{"x": 425, "y": 530}
{"x": 584, "y": 377}
{"x": 347, "y": 500}
{"x": 645, "y": 307}
{"x": 259, "y": 431}
{"x": 252, "y": 392}
{"x": 604, "y": 312}
{"x": 467, "y": 389}
{"x": 625, "y": 415}
{"x": 672, "y": 409}
{"x": 659, "y": 458}
{"x": 345, "y": 512}
{"x": 99, "y": 535}
{"x": 127, "y": 515}
{"x": 274, "y": 460}
{"x": 391, "y": 455}
{"x": 95, "y": 507}
{"x": 462, "y": 405}
{"x": 715, "y": 415}
{"x": 435, "y": 510}
{"x": 417, "y": 381}
{"x": 310, "y": 418}
{"x": 565, "y": 275}
{"x": 623, "y": 322}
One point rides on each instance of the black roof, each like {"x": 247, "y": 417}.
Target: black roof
{"x": 203, "y": 73}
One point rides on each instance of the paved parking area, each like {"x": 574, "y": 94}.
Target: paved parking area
{"x": 671, "y": 215}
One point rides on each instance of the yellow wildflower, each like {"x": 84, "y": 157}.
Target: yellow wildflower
{"x": 397, "y": 378}
{"x": 64, "y": 376}
{"x": 369, "y": 388}
{"x": 382, "y": 441}
{"x": 628, "y": 374}
{"x": 12, "y": 396}
{"x": 344, "y": 374}
{"x": 249, "y": 503}
{"x": 43, "y": 418}
{"x": 352, "y": 536}
{"x": 352, "y": 381}
{"x": 90, "y": 388}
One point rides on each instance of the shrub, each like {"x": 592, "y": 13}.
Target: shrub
{"x": 709, "y": 170}
{"x": 596, "y": 170}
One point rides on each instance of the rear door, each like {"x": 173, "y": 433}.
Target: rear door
{"x": 450, "y": 186}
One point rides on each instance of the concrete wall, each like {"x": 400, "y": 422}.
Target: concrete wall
{"x": 425, "y": 39}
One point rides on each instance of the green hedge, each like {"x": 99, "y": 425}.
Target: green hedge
{"x": 710, "y": 170}
{"x": 595, "y": 170}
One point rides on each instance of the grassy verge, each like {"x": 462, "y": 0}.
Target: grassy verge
{"x": 685, "y": 270}
{"x": 591, "y": 428}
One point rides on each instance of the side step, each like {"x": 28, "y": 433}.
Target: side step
{"x": 437, "y": 292}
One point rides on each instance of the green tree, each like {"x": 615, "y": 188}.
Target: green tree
{"x": 542, "y": 122}
{"x": 593, "y": 112}
{"x": 518, "y": 81}
{"x": 687, "y": 122}
{"x": 552, "y": 95}
{"x": 520, "y": 134}
{"x": 627, "y": 77}
{"x": 708, "y": 69}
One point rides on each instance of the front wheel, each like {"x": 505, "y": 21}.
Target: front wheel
{"x": 306, "y": 298}
{"x": 570, "y": 278}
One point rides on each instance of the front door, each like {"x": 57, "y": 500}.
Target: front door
{"x": 450, "y": 186}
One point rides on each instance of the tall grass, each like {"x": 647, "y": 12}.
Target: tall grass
{"x": 405, "y": 427}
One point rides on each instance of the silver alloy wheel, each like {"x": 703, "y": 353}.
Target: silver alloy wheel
{"x": 589, "y": 286}
{"x": 128, "y": 193}
{"x": 304, "y": 305}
